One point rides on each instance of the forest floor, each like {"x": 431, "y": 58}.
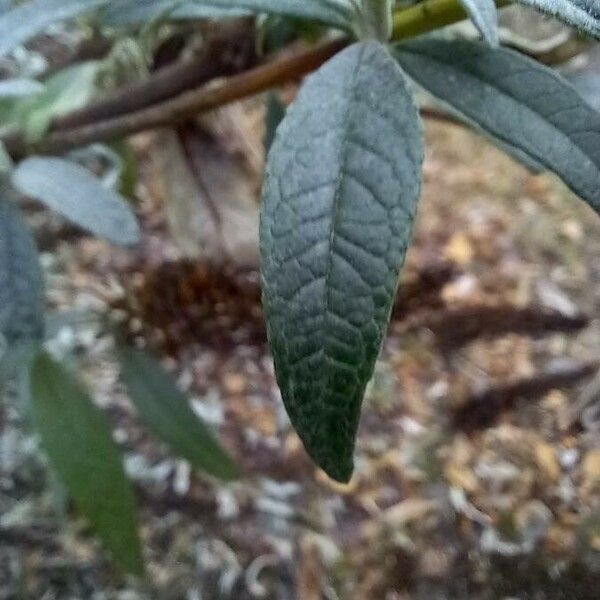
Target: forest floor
{"x": 478, "y": 460}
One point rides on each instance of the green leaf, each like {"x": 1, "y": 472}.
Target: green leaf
{"x": 21, "y": 279}
{"x": 484, "y": 15}
{"x": 18, "y": 87}
{"x": 517, "y": 101}
{"x": 28, "y": 19}
{"x": 81, "y": 450}
{"x": 76, "y": 194}
{"x": 341, "y": 191}
{"x": 167, "y": 412}
{"x": 583, "y": 14}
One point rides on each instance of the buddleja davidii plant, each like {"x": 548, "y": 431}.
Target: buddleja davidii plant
{"x": 341, "y": 191}
{"x": 343, "y": 182}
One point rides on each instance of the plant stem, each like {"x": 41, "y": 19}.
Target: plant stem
{"x": 430, "y": 15}
{"x": 416, "y": 20}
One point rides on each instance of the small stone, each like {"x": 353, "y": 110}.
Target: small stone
{"x": 462, "y": 478}
{"x": 590, "y": 470}
{"x": 533, "y": 521}
{"x": 459, "y": 249}
{"x": 547, "y": 461}
{"x": 234, "y": 383}
{"x": 569, "y": 458}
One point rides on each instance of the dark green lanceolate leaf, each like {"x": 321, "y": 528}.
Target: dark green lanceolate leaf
{"x": 21, "y": 279}
{"x": 75, "y": 193}
{"x": 583, "y": 14}
{"x": 27, "y": 19}
{"x": 168, "y": 413}
{"x": 341, "y": 190}
{"x": 81, "y": 450}
{"x": 484, "y": 15}
{"x": 516, "y": 100}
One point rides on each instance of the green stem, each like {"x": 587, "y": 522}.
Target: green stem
{"x": 430, "y": 15}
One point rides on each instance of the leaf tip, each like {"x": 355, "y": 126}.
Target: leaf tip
{"x": 332, "y": 450}
{"x": 340, "y": 472}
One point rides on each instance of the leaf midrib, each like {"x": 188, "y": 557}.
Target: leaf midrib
{"x": 337, "y": 199}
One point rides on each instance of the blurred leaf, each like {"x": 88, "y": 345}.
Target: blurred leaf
{"x": 15, "y": 88}
{"x": 484, "y": 15}
{"x": 275, "y": 112}
{"x": 101, "y": 159}
{"x": 76, "y": 194}
{"x": 167, "y": 412}
{"x": 587, "y": 83}
{"x": 81, "y": 450}
{"x": 123, "y": 13}
{"x": 375, "y": 19}
{"x": 64, "y": 92}
{"x": 516, "y": 100}
{"x": 28, "y": 19}
{"x": 583, "y": 14}
{"x": 518, "y": 154}
{"x": 21, "y": 279}
{"x": 338, "y": 13}
{"x": 129, "y": 169}
{"x": 6, "y": 163}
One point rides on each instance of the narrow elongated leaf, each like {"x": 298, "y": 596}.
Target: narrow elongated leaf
{"x": 484, "y": 15}
{"x": 28, "y": 19}
{"x": 341, "y": 191}
{"x": 15, "y": 88}
{"x": 76, "y": 437}
{"x": 168, "y": 413}
{"x": 338, "y": 13}
{"x": 516, "y": 100}
{"x": 583, "y": 14}
{"x": 76, "y": 194}
{"x": 21, "y": 280}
